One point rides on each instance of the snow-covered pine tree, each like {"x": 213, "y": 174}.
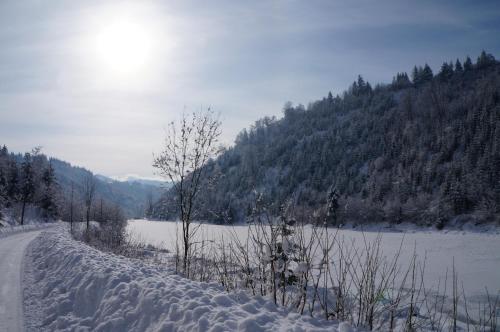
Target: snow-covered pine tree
{"x": 27, "y": 184}
{"x": 48, "y": 201}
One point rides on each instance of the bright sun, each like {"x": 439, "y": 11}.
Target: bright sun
{"x": 124, "y": 47}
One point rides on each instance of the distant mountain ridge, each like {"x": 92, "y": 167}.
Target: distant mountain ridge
{"x": 39, "y": 187}
{"x": 132, "y": 197}
{"x": 131, "y": 178}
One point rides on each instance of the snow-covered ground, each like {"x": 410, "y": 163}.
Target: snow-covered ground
{"x": 9, "y": 230}
{"x": 11, "y": 217}
{"x": 12, "y": 249}
{"x": 476, "y": 253}
{"x": 70, "y": 286}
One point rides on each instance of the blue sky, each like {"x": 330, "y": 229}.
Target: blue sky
{"x": 244, "y": 59}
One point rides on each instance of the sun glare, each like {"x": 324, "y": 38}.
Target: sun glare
{"x": 124, "y": 47}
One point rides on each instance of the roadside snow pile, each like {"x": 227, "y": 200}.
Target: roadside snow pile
{"x": 83, "y": 289}
{"x": 7, "y": 230}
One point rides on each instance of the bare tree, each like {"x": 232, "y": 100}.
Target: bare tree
{"x": 88, "y": 186}
{"x": 189, "y": 145}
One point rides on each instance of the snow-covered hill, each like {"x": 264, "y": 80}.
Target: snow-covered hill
{"x": 72, "y": 286}
{"x": 131, "y": 178}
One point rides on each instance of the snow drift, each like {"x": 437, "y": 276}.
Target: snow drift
{"x": 79, "y": 288}
{"x": 9, "y": 230}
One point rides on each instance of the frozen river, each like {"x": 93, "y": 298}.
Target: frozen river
{"x": 476, "y": 255}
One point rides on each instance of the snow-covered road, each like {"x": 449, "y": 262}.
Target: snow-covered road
{"x": 11, "y": 257}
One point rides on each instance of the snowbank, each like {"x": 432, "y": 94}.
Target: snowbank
{"x": 7, "y": 230}
{"x": 82, "y": 289}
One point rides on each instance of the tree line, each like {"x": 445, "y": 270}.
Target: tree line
{"x": 30, "y": 189}
{"x": 423, "y": 149}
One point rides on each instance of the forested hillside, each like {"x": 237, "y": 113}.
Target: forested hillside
{"x": 34, "y": 186}
{"x": 424, "y": 149}
{"x": 131, "y": 197}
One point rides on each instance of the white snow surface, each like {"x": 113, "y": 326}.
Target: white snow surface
{"x": 476, "y": 252}
{"x": 78, "y": 288}
{"x": 11, "y": 255}
{"x": 9, "y": 230}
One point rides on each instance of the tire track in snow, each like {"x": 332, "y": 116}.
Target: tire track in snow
{"x": 12, "y": 250}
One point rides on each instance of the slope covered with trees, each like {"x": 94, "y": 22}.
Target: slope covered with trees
{"x": 132, "y": 197}
{"x": 50, "y": 189}
{"x": 425, "y": 150}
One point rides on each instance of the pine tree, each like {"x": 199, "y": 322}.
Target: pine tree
{"x": 422, "y": 75}
{"x": 3, "y": 177}
{"x": 368, "y": 88}
{"x": 12, "y": 182}
{"x": 361, "y": 82}
{"x": 458, "y": 67}
{"x": 457, "y": 196}
{"x": 71, "y": 206}
{"x": 330, "y": 98}
{"x": 446, "y": 72}
{"x": 354, "y": 88}
{"x": 48, "y": 203}
{"x": 401, "y": 81}
{"x": 485, "y": 60}
{"x": 468, "y": 65}
{"x": 416, "y": 75}
{"x": 332, "y": 206}
{"x": 3, "y": 189}
{"x": 440, "y": 215}
{"x": 27, "y": 185}
{"x": 427, "y": 74}
{"x": 88, "y": 186}
{"x": 360, "y": 87}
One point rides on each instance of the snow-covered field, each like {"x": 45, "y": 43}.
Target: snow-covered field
{"x": 476, "y": 254}
{"x": 70, "y": 286}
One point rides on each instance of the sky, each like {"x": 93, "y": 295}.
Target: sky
{"x": 95, "y": 83}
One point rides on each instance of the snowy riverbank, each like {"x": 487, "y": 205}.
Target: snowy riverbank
{"x": 71, "y": 286}
{"x": 476, "y": 254}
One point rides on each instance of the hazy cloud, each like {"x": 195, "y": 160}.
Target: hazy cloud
{"x": 244, "y": 60}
